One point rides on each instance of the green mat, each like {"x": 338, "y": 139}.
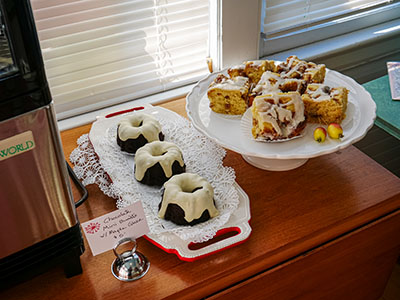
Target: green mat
{"x": 387, "y": 110}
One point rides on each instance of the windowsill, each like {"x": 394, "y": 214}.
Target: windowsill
{"x": 350, "y": 51}
{"x": 338, "y": 53}
{"x": 343, "y": 42}
{"x": 90, "y": 117}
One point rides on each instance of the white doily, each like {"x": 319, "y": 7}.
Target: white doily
{"x": 201, "y": 156}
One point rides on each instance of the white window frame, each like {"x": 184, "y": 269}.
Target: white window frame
{"x": 361, "y": 54}
{"x": 235, "y": 37}
{"x": 228, "y": 20}
{"x": 236, "y": 33}
{"x": 317, "y": 32}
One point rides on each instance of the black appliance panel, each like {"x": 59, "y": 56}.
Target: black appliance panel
{"x": 22, "y": 71}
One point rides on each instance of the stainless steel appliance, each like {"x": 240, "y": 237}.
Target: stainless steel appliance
{"x": 38, "y": 223}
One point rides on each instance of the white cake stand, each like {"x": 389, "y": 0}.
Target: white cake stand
{"x": 274, "y": 164}
{"x": 234, "y": 132}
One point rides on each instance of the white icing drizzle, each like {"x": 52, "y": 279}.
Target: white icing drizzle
{"x": 178, "y": 190}
{"x": 164, "y": 153}
{"x": 266, "y": 112}
{"x": 237, "y": 83}
{"x": 238, "y": 67}
{"x": 257, "y": 63}
{"x": 269, "y": 83}
{"x": 129, "y": 127}
{"x": 294, "y": 68}
{"x": 317, "y": 92}
{"x": 295, "y": 65}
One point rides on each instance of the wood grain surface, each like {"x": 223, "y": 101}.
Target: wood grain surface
{"x": 353, "y": 266}
{"x": 329, "y": 205}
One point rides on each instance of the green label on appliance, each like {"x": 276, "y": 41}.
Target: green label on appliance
{"x": 16, "y": 144}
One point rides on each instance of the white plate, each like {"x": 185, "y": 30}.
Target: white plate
{"x": 228, "y": 130}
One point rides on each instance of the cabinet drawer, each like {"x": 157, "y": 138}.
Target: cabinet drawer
{"x": 356, "y": 265}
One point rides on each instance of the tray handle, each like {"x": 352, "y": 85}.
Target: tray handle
{"x": 194, "y": 251}
{"x": 123, "y": 111}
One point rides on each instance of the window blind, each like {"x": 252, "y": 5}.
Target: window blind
{"x": 298, "y": 22}
{"x": 102, "y": 52}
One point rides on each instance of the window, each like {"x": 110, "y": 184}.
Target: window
{"x": 289, "y": 24}
{"x": 99, "y": 53}
{"x": 102, "y": 52}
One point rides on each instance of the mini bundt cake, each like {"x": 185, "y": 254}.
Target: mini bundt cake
{"x": 136, "y": 130}
{"x": 158, "y": 161}
{"x": 188, "y": 199}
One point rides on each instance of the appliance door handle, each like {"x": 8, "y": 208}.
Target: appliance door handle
{"x": 79, "y": 185}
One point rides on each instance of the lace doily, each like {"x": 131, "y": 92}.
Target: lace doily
{"x": 201, "y": 156}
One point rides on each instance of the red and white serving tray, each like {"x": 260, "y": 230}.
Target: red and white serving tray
{"x": 238, "y": 224}
{"x": 234, "y": 232}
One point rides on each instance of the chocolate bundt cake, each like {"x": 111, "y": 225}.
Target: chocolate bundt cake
{"x": 188, "y": 199}
{"x": 136, "y": 130}
{"x": 158, "y": 161}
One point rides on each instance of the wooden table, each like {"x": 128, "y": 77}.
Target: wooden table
{"x": 327, "y": 230}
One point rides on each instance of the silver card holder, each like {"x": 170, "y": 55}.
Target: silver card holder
{"x": 129, "y": 265}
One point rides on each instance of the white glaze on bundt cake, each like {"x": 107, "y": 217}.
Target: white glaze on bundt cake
{"x": 136, "y": 130}
{"x": 157, "y": 161}
{"x": 188, "y": 199}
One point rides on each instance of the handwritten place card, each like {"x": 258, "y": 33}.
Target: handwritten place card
{"x": 104, "y": 232}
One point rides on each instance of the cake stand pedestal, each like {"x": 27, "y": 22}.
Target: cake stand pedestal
{"x": 274, "y": 164}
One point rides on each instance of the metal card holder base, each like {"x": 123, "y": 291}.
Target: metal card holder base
{"x": 130, "y": 265}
